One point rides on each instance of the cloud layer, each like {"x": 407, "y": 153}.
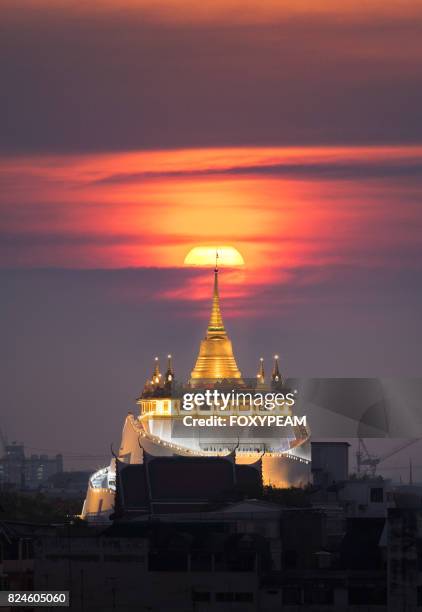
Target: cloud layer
{"x": 157, "y": 74}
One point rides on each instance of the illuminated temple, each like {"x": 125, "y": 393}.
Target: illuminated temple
{"x": 155, "y": 438}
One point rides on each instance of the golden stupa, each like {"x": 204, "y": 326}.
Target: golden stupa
{"x": 215, "y": 361}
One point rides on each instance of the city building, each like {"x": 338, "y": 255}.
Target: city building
{"x": 17, "y": 553}
{"x": 361, "y": 496}
{"x": 27, "y": 473}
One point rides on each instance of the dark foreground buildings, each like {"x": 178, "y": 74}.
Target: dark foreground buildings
{"x": 179, "y": 542}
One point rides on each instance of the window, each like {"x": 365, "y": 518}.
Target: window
{"x": 167, "y": 561}
{"x": 73, "y": 557}
{"x": 377, "y": 495}
{"x": 291, "y": 595}
{"x": 125, "y": 558}
{"x": 243, "y": 597}
{"x": 372, "y": 594}
{"x": 27, "y": 549}
{"x": 201, "y": 596}
{"x": 419, "y": 554}
{"x": 224, "y": 597}
{"x": 201, "y": 562}
{"x": 319, "y": 595}
{"x": 290, "y": 558}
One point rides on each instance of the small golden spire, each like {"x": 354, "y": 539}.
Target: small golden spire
{"x": 261, "y": 374}
{"x": 156, "y": 376}
{"x": 276, "y": 376}
{"x": 170, "y": 372}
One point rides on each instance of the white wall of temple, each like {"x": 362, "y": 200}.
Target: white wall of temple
{"x": 130, "y": 451}
{"x": 99, "y": 503}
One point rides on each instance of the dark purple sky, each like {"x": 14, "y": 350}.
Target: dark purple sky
{"x": 131, "y": 132}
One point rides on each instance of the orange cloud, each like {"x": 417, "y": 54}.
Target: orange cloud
{"x": 216, "y": 11}
{"x": 282, "y": 208}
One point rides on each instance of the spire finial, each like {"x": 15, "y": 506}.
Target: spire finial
{"x": 216, "y": 325}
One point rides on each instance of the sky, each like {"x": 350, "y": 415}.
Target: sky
{"x": 134, "y": 130}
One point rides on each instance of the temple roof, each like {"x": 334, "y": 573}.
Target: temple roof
{"x": 180, "y": 484}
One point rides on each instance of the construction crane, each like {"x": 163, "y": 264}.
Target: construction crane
{"x": 365, "y": 459}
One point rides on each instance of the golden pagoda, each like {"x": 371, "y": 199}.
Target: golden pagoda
{"x": 215, "y": 361}
{"x": 158, "y": 430}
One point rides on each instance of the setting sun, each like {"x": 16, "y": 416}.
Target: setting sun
{"x": 206, "y": 256}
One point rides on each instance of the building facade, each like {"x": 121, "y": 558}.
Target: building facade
{"x": 27, "y": 473}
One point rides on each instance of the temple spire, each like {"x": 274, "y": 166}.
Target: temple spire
{"x": 156, "y": 375}
{"x": 276, "y": 376}
{"x": 170, "y": 371}
{"x": 261, "y": 373}
{"x": 215, "y": 361}
{"x": 216, "y": 325}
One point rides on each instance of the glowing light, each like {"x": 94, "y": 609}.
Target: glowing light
{"x": 206, "y": 256}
